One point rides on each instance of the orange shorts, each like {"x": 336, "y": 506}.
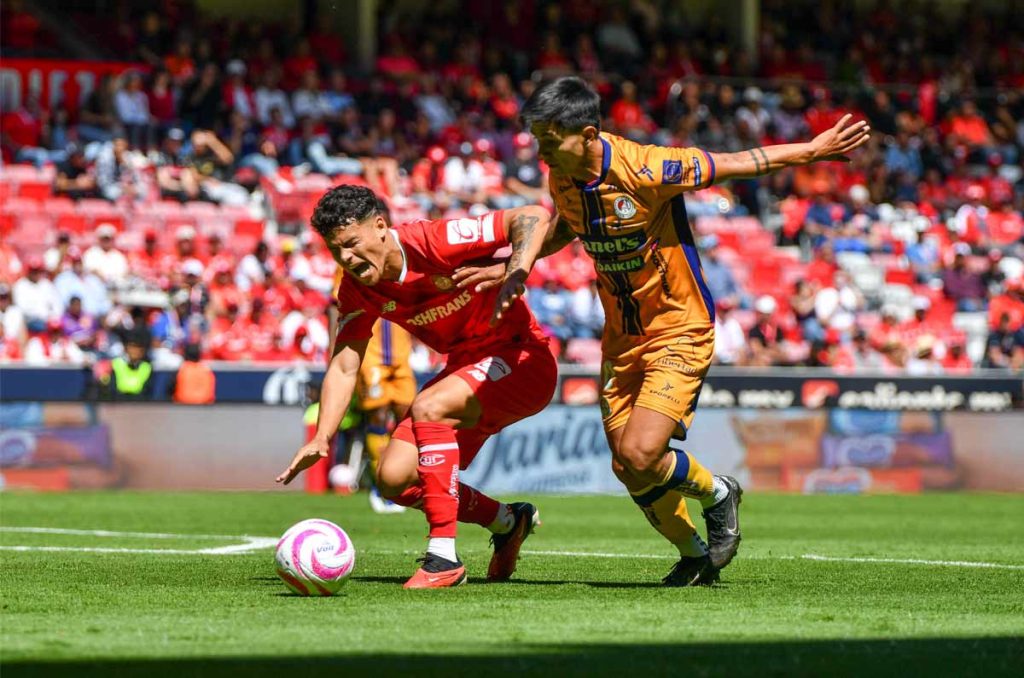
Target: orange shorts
{"x": 385, "y": 385}
{"x": 511, "y": 383}
{"x": 667, "y": 379}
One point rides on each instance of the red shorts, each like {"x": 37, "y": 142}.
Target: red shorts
{"x": 511, "y": 383}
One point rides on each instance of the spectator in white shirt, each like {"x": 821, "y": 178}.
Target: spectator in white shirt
{"x": 253, "y": 268}
{"x": 104, "y": 259}
{"x": 12, "y": 318}
{"x": 309, "y": 101}
{"x": 132, "y": 106}
{"x": 751, "y": 118}
{"x": 77, "y": 282}
{"x": 52, "y": 347}
{"x": 37, "y": 297}
{"x": 270, "y": 96}
{"x": 730, "y": 339}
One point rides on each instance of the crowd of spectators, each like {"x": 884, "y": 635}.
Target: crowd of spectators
{"x": 234, "y": 112}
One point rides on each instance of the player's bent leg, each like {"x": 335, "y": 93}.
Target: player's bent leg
{"x": 435, "y": 413}
{"x": 667, "y": 513}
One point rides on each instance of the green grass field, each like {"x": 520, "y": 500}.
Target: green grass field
{"x": 586, "y": 599}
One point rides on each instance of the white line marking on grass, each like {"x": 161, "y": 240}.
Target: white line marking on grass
{"x": 250, "y": 543}
{"x": 109, "y": 533}
{"x": 913, "y": 561}
{"x": 590, "y": 554}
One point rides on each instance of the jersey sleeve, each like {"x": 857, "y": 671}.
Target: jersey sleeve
{"x": 668, "y": 171}
{"x": 355, "y": 320}
{"x": 453, "y": 242}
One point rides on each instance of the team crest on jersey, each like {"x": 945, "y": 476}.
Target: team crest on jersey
{"x": 442, "y": 282}
{"x": 672, "y": 172}
{"x": 624, "y": 207}
{"x": 388, "y": 307}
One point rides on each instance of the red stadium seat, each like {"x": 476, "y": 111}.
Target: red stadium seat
{"x": 56, "y": 206}
{"x": 249, "y": 228}
{"x": 73, "y": 223}
{"x": 899, "y": 276}
{"x": 35, "y": 190}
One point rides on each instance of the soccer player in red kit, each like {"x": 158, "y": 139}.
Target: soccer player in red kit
{"x": 499, "y": 368}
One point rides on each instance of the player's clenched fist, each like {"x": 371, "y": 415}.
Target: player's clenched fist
{"x": 308, "y": 454}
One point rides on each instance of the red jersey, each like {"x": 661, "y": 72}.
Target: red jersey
{"x": 426, "y": 302}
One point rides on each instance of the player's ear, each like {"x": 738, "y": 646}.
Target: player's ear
{"x": 589, "y": 133}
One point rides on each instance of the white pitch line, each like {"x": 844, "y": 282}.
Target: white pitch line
{"x": 255, "y": 543}
{"x": 109, "y": 533}
{"x": 914, "y": 561}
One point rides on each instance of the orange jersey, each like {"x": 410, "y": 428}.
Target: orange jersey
{"x": 632, "y": 222}
{"x": 390, "y": 345}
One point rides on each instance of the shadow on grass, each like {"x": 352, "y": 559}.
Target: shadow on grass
{"x": 932, "y": 656}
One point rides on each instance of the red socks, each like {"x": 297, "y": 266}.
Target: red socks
{"x": 439, "y": 476}
{"x": 474, "y": 506}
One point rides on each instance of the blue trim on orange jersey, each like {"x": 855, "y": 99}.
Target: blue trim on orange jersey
{"x": 682, "y": 223}
{"x": 711, "y": 165}
{"x": 606, "y": 162}
{"x": 385, "y": 342}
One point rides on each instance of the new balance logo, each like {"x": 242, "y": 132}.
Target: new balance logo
{"x": 645, "y": 171}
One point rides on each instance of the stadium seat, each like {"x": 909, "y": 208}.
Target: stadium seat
{"x": 73, "y": 223}
{"x": 7, "y": 224}
{"x": 35, "y": 190}
{"x": 249, "y": 228}
{"x": 899, "y": 276}
{"x": 58, "y": 206}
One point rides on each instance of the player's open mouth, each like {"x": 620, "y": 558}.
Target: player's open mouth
{"x": 362, "y": 269}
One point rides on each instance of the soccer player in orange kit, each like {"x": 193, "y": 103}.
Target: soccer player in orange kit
{"x": 625, "y": 202}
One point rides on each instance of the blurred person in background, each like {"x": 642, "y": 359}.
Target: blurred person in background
{"x": 51, "y": 347}
{"x": 961, "y": 284}
{"x": 37, "y": 297}
{"x": 55, "y": 258}
{"x": 75, "y": 281}
{"x": 525, "y": 182}
{"x": 1004, "y": 348}
{"x": 80, "y": 327}
{"x": 75, "y": 178}
{"x": 132, "y": 107}
{"x": 765, "y": 336}
{"x": 131, "y": 375}
{"x": 104, "y": 259}
{"x": 195, "y": 382}
{"x": 730, "y": 340}
{"x": 956, "y": 360}
{"x": 12, "y": 319}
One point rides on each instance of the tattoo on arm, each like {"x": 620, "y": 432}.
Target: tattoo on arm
{"x": 561, "y": 237}
{"x": 764, "y": 156}
{"x": 520, "y": 233}
{"x": 757, "y": 163}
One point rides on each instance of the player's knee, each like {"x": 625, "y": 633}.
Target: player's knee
{"x": 639, "y": 459}
{"x": 427, "y": 407}
{"x": 392, "y": 480}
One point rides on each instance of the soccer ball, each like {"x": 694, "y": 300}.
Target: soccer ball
{"x": 315, "y": 558}
{"x": 343, "y": 478}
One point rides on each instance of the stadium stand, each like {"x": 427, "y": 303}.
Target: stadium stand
{"x": 176, "y": 195}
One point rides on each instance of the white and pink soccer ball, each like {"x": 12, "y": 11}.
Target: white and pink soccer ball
{"x": 315, "y": 558}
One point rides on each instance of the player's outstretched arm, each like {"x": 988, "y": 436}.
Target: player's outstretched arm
{"x": 482, "y": 278}
{"x": 832, "y": 144}
{"x": 335, "y": 396}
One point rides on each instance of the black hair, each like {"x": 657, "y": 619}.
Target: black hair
{"x": 192, "y": 352}
{"x": 568, "y": 102}
{"x": 345, "y": 205}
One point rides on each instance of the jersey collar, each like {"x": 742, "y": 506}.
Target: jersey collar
{"x": 405, "y": 259}
{"x": 606, "y": 162}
